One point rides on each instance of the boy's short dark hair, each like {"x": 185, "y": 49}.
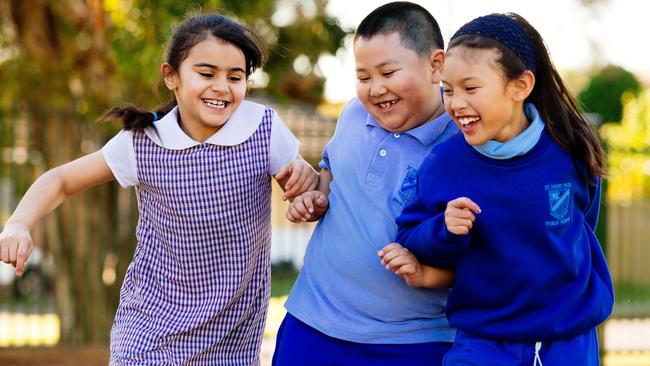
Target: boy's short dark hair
{"x": 415, "y": 25}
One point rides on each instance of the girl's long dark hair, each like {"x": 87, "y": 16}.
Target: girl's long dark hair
{"x": 189, "y": 33}
{"x": 555, "y": 103}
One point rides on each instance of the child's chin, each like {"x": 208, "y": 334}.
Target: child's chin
{"x": 472, "y": 140}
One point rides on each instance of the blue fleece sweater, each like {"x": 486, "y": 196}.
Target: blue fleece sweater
{"x": 531, "y": 269}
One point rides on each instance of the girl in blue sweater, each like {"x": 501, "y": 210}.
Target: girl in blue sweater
{"x": 512, "y": 204}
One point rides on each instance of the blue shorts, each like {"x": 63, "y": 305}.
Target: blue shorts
{"x": 469, "y": 350}
{"x": 298, "y": 344}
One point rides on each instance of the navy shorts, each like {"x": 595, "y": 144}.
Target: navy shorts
{"x": 298, "y": 344}
{"x": 469, "y": 350}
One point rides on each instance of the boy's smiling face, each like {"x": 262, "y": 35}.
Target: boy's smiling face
{"x": 396, "y": 85}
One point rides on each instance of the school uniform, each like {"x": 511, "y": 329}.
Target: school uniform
{"x": 345, "y": 305}
{"x": 197, "y": 289}
{"x": 532, "y": 282}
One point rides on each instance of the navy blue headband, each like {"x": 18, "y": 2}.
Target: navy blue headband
{"x": 505, "y": 30}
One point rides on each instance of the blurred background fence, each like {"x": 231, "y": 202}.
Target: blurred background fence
{"x": 628, "y": 255}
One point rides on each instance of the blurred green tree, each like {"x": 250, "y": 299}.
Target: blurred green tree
{"x": 62, "y": 63}
{"x": 629, "y": 149}
{"x": 603, "y": 93}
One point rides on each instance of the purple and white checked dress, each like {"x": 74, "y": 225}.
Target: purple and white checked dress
{"x": 197, "y": 289}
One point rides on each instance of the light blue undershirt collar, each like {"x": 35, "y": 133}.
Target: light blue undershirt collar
{"x": 521, "y": 143}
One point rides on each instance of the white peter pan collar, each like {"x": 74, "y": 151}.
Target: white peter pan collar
{"x": 167, "y": 133}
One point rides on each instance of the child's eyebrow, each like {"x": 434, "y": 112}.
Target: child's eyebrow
{"x": 382, "y": 64}
{"x": 465, "y": 79}
{"x": 205, "y": 64}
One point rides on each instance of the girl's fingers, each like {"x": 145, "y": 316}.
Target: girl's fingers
{"x": 389, "y": 247}
{"x": 458, "y": 230}
{"x": 4, "y": 250}
{"x": 464, "y": 203}
{"x": 465, "y": 214}
{"x": 313, "y": 182}
{"x": 406, "y": 270}
{"x": 303, "y": 185}
{"x": 396, "y": 256}
{"x": 13, "y": 251}
{"x": 24, "y": 250}
{"x": 283, "y": 172}
{"x": 399, "y": 261}
{"x": 294, "y": 173}
{"x": 460, "y": 222}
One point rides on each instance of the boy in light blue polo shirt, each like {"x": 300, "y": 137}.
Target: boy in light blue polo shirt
{"x": 345, "y": 307}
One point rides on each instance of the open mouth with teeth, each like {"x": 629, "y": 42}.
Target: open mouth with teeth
{"x": 215, "y": 103}
{"x": 387, "y": 105}
{"x": 468, "y": 122}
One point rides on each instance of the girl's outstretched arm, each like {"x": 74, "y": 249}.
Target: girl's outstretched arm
{"x": 47, "y": 192}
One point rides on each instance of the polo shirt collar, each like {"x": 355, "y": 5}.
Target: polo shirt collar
{"x": 427, "y": 132}
{"x": 167, "y": 133}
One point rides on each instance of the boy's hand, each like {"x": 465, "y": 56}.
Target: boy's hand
{"x": 296, "y": 177}
{"x": 401, "y": 261}
{"x": 459, "y": 215}
{"x": 309, "y": 206}
{"x": 16, "y": 246}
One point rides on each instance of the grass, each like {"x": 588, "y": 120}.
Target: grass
{"x": 631, "y": 300}
{"x": 283, "y": 275}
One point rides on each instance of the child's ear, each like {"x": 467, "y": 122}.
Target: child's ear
{"x": 522, "y": 86}
{"x": 436, "y": 60}
{"x": 169, "y": 76}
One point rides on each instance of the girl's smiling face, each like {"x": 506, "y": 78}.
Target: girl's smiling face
{"x": 484, "y": 104}
{"x": 209, "y": 86}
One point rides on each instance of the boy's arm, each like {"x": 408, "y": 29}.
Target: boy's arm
{"x": 47, "y": 192}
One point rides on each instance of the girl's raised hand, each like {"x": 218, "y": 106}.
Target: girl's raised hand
{"x": 459, "y": 215}
{"x": 309, "y": 206}
{"x": 16, "y": 246}
{"x": 296, "y": 177}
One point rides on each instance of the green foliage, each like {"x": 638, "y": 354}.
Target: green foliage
{"x": 603, "y": 94}
{"x": 139, "y": 35}
{"x": 308, "y": 37}
{"x": 629, "y": 149}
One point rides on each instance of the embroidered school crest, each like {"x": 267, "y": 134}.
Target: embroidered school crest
{"x": 408, "y": 188}
{"x": 559, "y": 199}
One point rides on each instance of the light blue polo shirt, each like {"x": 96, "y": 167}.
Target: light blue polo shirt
{"x": 343, "y": 290}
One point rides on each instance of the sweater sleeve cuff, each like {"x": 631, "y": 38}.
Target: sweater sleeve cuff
{"x": 447, "y": 239}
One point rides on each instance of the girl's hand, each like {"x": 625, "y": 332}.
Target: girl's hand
{"x": 401, "y": 261}
{"x": 459, "y": 215}
{"x": 296, "y": 177}
{"x": 16, "y": 246}
{"x": 309, "y": 206}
